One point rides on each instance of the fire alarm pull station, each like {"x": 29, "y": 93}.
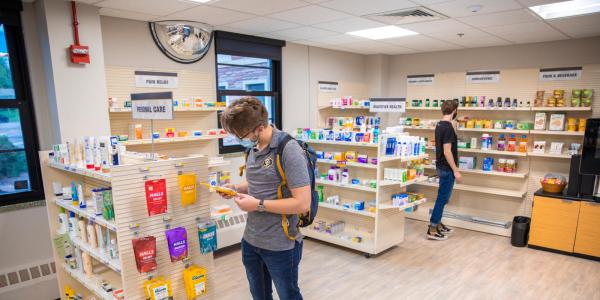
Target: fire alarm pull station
{"x": 79, "y": 54}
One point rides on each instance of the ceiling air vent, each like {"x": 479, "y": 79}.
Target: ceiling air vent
{"x": 406, "y": 16}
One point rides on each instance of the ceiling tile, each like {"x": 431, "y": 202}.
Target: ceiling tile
{"x": 500, "y": 18}
{"x": 529, "y": 3}
{"x": 209, "y": 14}
{"x": 448, "y": 25}
{"x": 300, "y": 33}
{"x": 578, "y": 27}
{"x": 110, "y": 12}
{"x": 350, "y": 24}
{"x": 429, "y": 2}
{"x": 526, "y": 32}
{"x": 151, "y": 7}
{"x": 338, "y": 39}
{"x": 459, "y": 8}
{"x": 261, "y": 25}
{"x": 259, "y": 7}
{"x": 474, "y": 39}
{"x": 362, "y": 7}
{"x": 309, "y": 15}
{"x": 422, "y": 43}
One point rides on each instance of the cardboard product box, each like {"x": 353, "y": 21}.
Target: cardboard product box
{"x": 557, "y": 122}
{"x": 540, "y": 121}
{"x": 467, "y": 162}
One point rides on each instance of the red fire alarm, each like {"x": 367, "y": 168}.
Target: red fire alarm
{"x": 79, "y": 54}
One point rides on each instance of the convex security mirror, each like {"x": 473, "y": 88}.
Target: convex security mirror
{"x": 182, "y": 41}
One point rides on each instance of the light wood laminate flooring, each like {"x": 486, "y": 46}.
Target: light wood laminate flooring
{"x": 469, "y": 265}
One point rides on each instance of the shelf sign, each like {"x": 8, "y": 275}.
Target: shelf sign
{"x": 483, "y": 77}
{"x": 573, "y": 73}
{"x": 152, "y": 106}
{"x": 328, "y": 86}
{"x": 426, "y": 79}
{"x": 388, "y": 105}
{"x": 147, "y": 79}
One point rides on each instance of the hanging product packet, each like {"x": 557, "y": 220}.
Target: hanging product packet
{"x": 177, "y": 242}
{"x": 158, "y": 289}
{"x": 194, "y": 279}
{"x": 156, "y": 196}
{"x": 144, "y": 251}
{"x": 207, "y": 234}
{"x": 187, "y": 187}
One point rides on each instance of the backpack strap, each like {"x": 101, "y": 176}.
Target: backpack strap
{"x": 279, "y": 163}
{"x": 243, "y": 167}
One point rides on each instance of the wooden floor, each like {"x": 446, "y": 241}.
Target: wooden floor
{"x": 470, "y": 265}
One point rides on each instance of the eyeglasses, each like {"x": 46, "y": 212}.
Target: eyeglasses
{"x": 247, "y": 133}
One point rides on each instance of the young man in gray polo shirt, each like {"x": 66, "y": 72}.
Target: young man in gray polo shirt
{"x": 268, "y": 254}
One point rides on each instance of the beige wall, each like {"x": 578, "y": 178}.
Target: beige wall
{"x": 548, "y": 54}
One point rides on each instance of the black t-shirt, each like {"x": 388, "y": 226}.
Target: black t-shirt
{"x": 444, "y": 134}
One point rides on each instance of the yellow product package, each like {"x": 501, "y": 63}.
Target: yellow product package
{"x": 187, "y": 187}
{"x": 194, "y": 279}
{"x": 158, "y": 289}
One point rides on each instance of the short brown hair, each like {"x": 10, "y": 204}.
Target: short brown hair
{"x": 449, "y": 106}
{"x": 244, "y": 115}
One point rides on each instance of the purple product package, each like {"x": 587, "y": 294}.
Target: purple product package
{"x": 177, "y": 241}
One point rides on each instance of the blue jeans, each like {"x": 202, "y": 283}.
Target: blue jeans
{"x": 264, "y": 267}
{"x": 444, "y": 193}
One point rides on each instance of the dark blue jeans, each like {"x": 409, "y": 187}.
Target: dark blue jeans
{"x": 444, "y": 193}
{"x": 264, "y": 267}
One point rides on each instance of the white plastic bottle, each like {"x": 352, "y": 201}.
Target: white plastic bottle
{"x": 100, "y": 237}
{"x": 345, "y": 177}
{"x": 63, "y": 222}
{"x": 73, "y": 229}
{"x": 331, "y": 174}
{"x": 82, "y": 203}
{"x": 113, "y": 250}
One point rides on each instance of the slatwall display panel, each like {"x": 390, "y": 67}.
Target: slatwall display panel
{"x": 390, "y": 229}
{"x": 356, "y": 90}
{"x": 190, "y": 121}
{"x": 180, "y": 149}
{"x": 120, "y": 83}
{"x": 130, "y": 208}
{"x": 448, "y": 85}
{"x": 517, "y": 84}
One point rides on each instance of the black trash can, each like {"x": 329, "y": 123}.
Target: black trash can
{"x": 520, "y": 231}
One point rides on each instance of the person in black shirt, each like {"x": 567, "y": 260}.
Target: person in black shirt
{"x": 446, "y": 165}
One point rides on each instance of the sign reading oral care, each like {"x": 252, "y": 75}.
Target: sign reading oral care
{"x": 147, "y": 79}
{"x": 483, "y": 77}
{"x": 552, "y": 74}
{"x": 426, "y": 79}
{"x": 387, "y": 105}
{"x": 328, "y": 86}
{"x": 152, "y": 106}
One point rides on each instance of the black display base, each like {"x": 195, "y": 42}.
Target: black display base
{"x": 564, "y": 252}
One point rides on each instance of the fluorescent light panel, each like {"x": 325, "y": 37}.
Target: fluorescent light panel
{"x": 567, "y": 9}
{"x": 380, "y": 33}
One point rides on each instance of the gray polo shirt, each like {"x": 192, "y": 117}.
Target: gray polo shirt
{"x": 264, "y": 229}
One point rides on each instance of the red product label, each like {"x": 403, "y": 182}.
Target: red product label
{"x": 144, "y": 250}
{"x": 156, "y": 196}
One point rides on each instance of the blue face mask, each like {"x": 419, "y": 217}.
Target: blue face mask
{"x": 247, "y": 143}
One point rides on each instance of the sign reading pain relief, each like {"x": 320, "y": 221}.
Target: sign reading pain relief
{"x": 426, "y": 79}
{"x": 387, "y": 105}
{"x": 483, "y": 77}
{"x": 328, "y": 86}
{"x": 152, "y": 106}
{"x": 573, "y": 73}
{"x": 147, "y": 79}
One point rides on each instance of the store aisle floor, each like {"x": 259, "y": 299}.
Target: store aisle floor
{"x": 470, "y": 265}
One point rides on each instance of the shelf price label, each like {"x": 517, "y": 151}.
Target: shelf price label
{"x": 483, "y": 77}
{"x": 387, "y": 105}
{"x": 152, "y": 106}
{"x": 552, "y": 74}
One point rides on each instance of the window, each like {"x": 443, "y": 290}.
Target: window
{"x": 248, "y": 66}
{"x": 20, "y": 179}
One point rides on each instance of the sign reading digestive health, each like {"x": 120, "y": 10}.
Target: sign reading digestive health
{"x": 387, "y": 105}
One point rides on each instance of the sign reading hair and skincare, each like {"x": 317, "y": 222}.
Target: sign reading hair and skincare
{"x": 426, "y": 79}
{"x": 483, "y": 77}
{"x": 152, "y": 106}
{"x": 147, "y": 79}
{"x": 328, "y": 86}
{"x": 387, "y": 105}
{"x": 552, "y": 74}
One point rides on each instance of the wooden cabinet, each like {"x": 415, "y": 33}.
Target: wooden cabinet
{"x": 554, "y": 223}
{"x": 587, "y": 240}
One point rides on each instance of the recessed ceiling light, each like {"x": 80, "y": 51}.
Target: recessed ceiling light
{"x": 380, "y": 33}
{"x": 567, "y": 9}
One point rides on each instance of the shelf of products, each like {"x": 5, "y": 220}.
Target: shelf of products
{"x": 405, "y": 206}
{"x": 81, "y": 171}
{"x": 549, "y": 155}
{"x": 365, "y": 246}
{"x": 347, "y": 163}
{"x": 385, "y": 159}
{"x": 550, "y": 132}
{"x": 372, "y": 145}
{"x": 97, "y": 254}
{"x": 94, "y": 284}
{"x": 515, "y": 131}
{"x": 482, "y": 172}
{"x": 387, "y": 183}
{"x": 344, "y": 107}
{"x": 493, "y": 152}
{"x": 483, "y": 108}
{"x": 480, "y": 189}
{"x": 68, "y": 205}
{"x": 567, "y": 108}
{"x": 197, "y": 109}
{"x": 346, "y": 186}
{"x": 348, "y": 210}
{"x": 172, "y": 140}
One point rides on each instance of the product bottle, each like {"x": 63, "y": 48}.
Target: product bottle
{"x": 338, "y": 174}
{"x": 515, "y": 103}
{"x": 523, "y": 144}
{"x": 97, "y": 155}
{"x": 82, "y": 203}
{"x": 63, "y": 221}
{"x": 320, "y": 192}
{"x": 331, "y": 174}
{"x": 376, "y": 135}
{"x": 74, "y": 195}
{"x": 499, "y": 102}
{"x": 345, "y": 177}
{"x": 512, "y": 143}
{"x": 87, "y": 264}
{"x": 501, "y": 142}
{"x": 113, "y": 250}
{"x": 78, "y": 258}
{"x": 82, "y": 230}
{"x": 73, "y": 229}
{"x": 100, "y": 237}
{"x": 91, "y": 235}
{"x": 88, "y": 152}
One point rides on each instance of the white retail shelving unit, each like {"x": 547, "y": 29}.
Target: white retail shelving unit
{"x": 129, "y": 202}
